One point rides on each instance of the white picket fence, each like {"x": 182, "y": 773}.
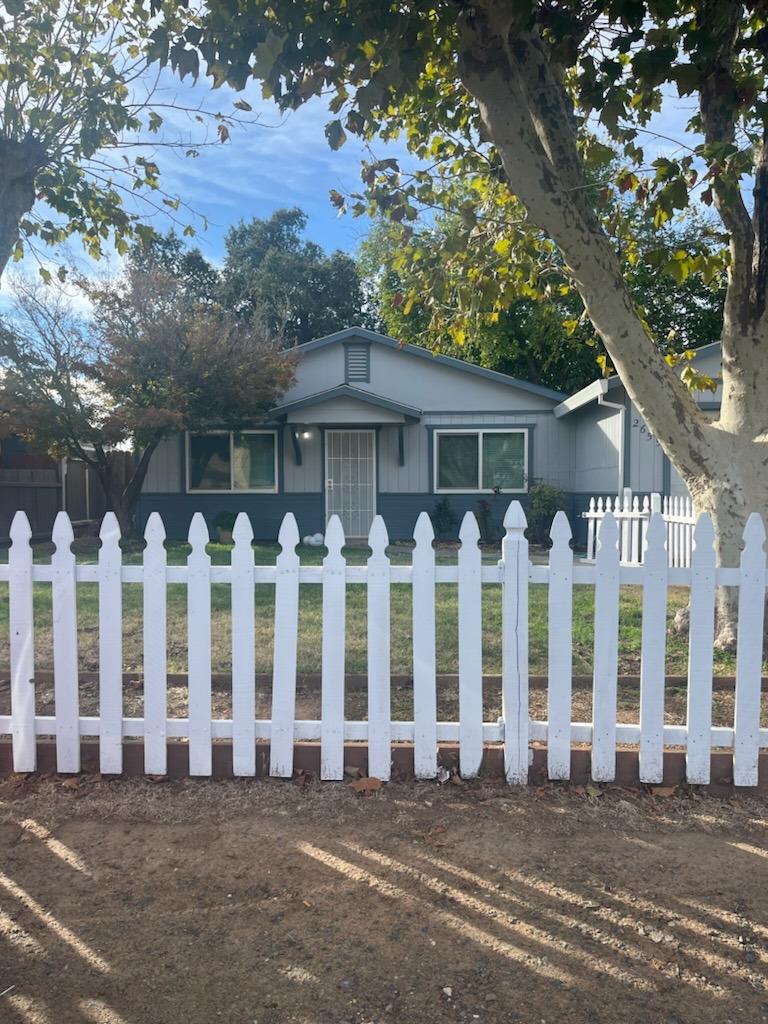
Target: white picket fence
{"x": 515, "y": 730}
{"x": 633, "y": 514}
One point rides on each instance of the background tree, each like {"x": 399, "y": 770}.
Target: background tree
{"x": 506, "y": 94}
{"x": 81, "y": 122}
{"x": 149, "y": 363}
{"x": 298, "y": 291}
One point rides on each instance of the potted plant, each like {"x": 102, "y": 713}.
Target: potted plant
{"x": 224, "y": 524}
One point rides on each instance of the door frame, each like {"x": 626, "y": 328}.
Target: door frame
{"x": 357, "y": 430}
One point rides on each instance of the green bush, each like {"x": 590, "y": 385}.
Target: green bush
{"x": 544, "y": 501}
{"x": 225, "y": 521}
{"x": 443, "y": 519}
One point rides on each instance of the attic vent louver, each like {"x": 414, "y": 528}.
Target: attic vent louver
{"x": 358, "y": 363}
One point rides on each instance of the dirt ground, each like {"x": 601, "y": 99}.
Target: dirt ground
{"x": 279, "y": 903}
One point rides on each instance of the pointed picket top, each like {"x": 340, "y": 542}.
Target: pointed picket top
{"x": 109, "y": 531}
{"x": 469, "y": 531}
{"x": 21, "y": 531}
{"x": 560, "y": 532}
{"x": 514, "y": 518}
{"x": 198, "y": 535}
{"x": 608, "y": 505}
{"x": 242, "y": 531}
{"x": 703, "y": 532}
{"x": 154, "y": 531}
{"x": 656, "y": 534}
{"x": 754, "y": 538}
{"x": 599, "y": 504}
{"x": 378, "y": 538}
{"x": 334, "y": 536}
{"x": 591, "y": 504}
{"x": 608, "y": 533}
{"x": 646, "y": 503}
{"x": 288, "y": 537}
{"x": 635, "y": 504}
{"x": 423, "y": 531}
{"x": 62, "y": 533}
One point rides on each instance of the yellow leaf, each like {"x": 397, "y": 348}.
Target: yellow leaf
{"x": 502, "y": 247}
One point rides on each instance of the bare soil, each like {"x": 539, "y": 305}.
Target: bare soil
{"x": 133, "y": 902}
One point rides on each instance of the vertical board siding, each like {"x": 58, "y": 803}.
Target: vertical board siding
{"x": 334, "y": 636}
{"x": 560, "y": 650}
{"x": 470, "y": 649}
{"x": 379, "y": 701}
{"x": 749, "y": 654}
{"x": 199, "y": 648}
{"x": 22, "y": 646}
{"x": 110, "y": 647}
{"x": 155, "y": 647}
{"x": 424, "y": 652}
{"x": 606, "y": 651}
{"x": 514, "y": 641}
{"x": 65, "y": 674}
{"x": 243, "y": 651}
{"x": 701, "y": 642}
{"x": 653, "y": 652}
{"x": 661, "y": 548}
{"x": 285, "y": 653}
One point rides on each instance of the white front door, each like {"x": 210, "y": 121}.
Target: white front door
{"x": 350, "y": 479}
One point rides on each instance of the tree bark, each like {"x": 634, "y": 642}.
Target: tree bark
{"x": 19, "y": 165}
{"x": 122, "y": 499}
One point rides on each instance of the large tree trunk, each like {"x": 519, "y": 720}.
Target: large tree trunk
{"x": 122, "y": 498}
{"x": 19, "y": 165}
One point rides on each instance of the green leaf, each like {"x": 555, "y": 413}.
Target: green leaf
{"x": 335, "y": 134}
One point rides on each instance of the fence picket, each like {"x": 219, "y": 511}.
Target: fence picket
{"x": 334, "y": 641}
{"x": 22, "y": 649}
{"x": 749, "y": 654}
{"x": 379, "y": 700}
{"x": 653, "y": 652}
{"x": 424, "y": 655}
{"x": 470, "y": 648}
{"x": 243, "y": 654}
{"x": 285, "y": 652}
{"x": 701, "y": 638}
{"x": 606, "y": 651}
{"x": 560, "y": 644}
{"x": 65, "y": 674}
{"x": 514, "y": 657}
{"x": 155, "y": 647}
{"x": 110, "y": 647}
{"x": 199, "y": 648}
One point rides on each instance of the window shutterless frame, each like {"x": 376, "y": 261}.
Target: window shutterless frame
{"x": 231, "y": 489}
{"x": 479, "y": 435}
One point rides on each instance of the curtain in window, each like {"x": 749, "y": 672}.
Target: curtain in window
{"x": 253, "y": 466}
{"x": 504, "y": 461}
{"x": 457, "y": 461}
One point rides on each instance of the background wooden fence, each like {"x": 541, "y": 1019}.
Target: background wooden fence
{"x": 514, "y": 730}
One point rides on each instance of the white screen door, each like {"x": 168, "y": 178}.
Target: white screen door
{"x": 350, "y": 479}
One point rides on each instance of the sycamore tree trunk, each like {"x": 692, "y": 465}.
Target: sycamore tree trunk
{"x": 19, "y": 165}
{"x": 527, "y": 113}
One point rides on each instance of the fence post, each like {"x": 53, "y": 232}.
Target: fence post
{"x": 21, "y": 622}
{"x": 605, "y": 651}
{"x": 626, "y": 524}
{"x": 653, "y": 650}
{"x": 155, "y": 647}
{"x": 470, "y": 648}
{"x": 424, "y": 656}
{"x": 64, "y": 614}
{"x": 749, "y": 654}
{"x": 379, "y": 700}
{"x": 333, "y": 644}
{"x": 243, "y": 655}
{"x": 514, "y": 645}
{"x": 285, "y": 652}
{"x": 701, "y": 638}
{"x": 110, "y": 647}
{"x": 560, "y": 660}
{"x": 199, "y": 648}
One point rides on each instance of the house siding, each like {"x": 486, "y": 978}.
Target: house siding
{"x": 266, "y": 511}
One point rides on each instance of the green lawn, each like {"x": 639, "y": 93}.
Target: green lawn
{"x": 311, "y": 615}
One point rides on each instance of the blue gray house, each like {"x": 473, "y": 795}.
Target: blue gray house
{"x": 372, "y": 426}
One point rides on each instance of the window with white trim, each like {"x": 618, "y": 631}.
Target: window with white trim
{"x": 481, "y": 460}
{"x": 227, "y": 460}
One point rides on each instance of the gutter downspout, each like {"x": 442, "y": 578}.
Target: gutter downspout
{"x": 602, "y": 400}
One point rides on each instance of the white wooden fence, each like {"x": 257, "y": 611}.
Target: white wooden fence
{"x": 633, "y": 514}
{"x": 513, "y": 573}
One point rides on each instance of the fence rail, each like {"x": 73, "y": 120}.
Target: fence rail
{"x": 514, "y": 730}
{"x": 633, "y": 514}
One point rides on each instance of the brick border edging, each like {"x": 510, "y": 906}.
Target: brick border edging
{"x": 307, "y": 758}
